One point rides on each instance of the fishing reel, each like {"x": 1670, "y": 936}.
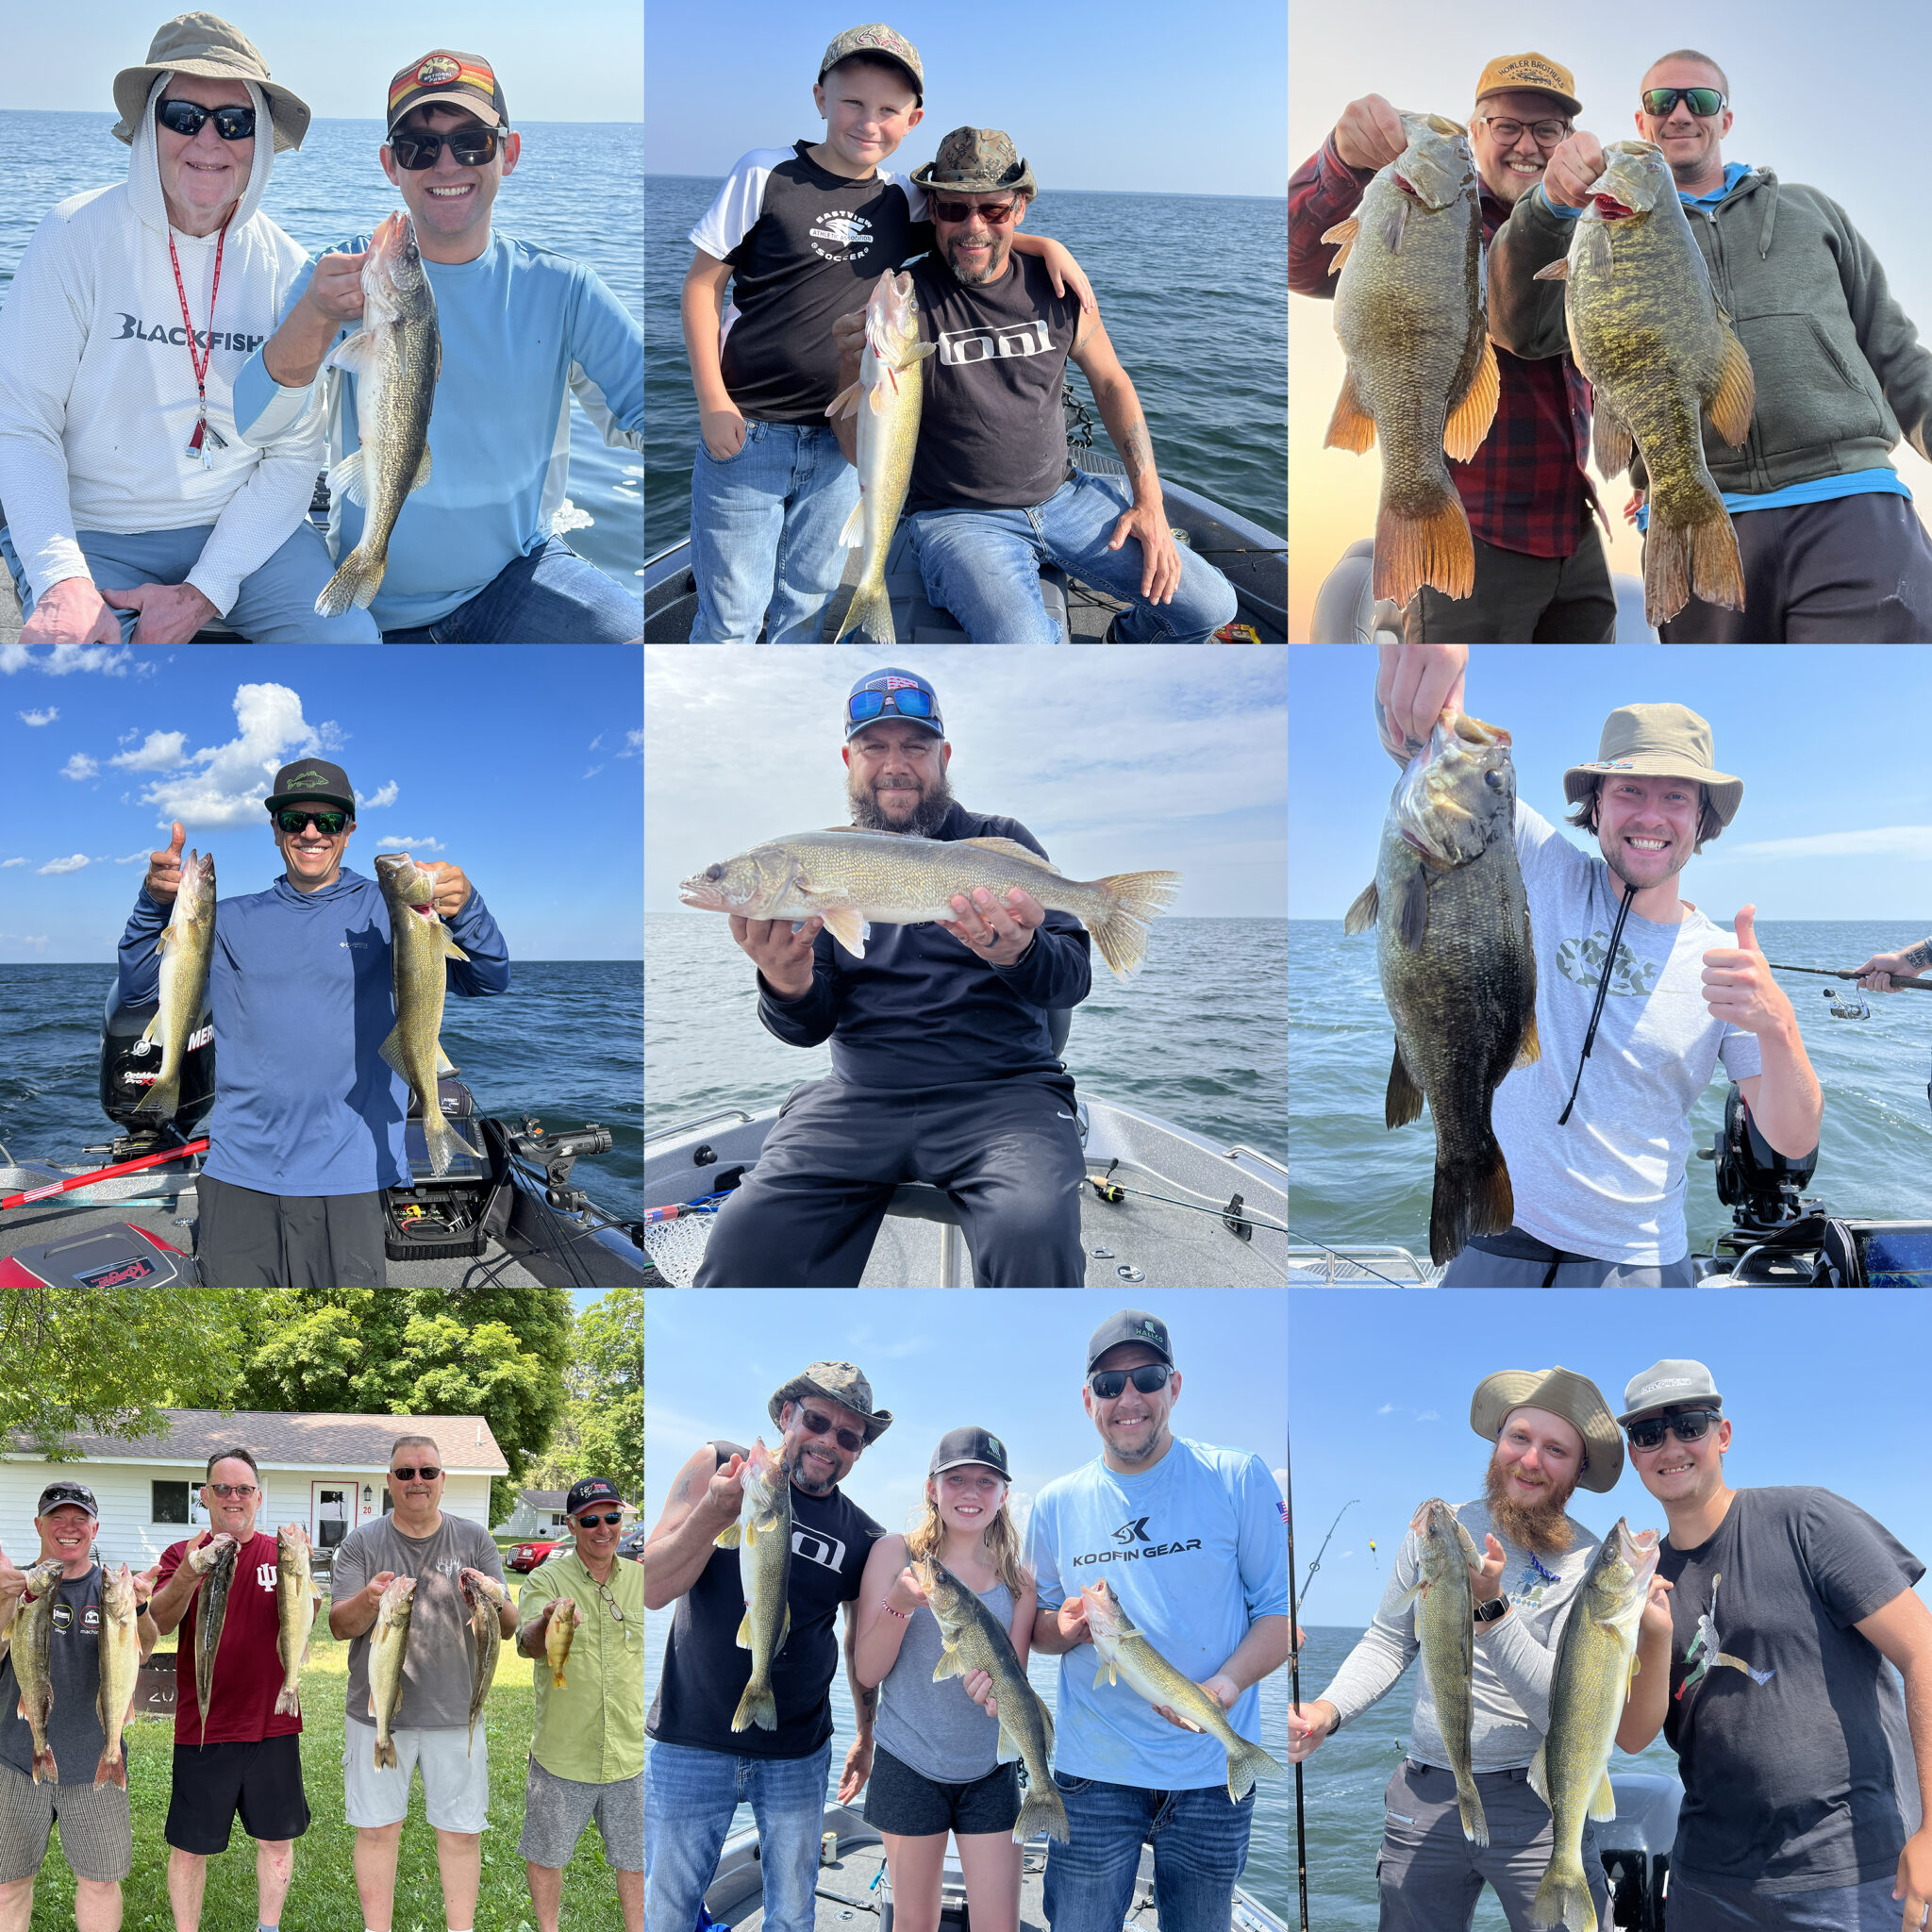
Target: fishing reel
{"x": 1846, "y": 1006}
{"x": 556, "y": 1154}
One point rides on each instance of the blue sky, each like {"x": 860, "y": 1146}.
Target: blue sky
{"x": 1111, "y": 94}
{"x": 1836, "y": 818}
{"x": 1820, "y": 1387}
{"x": 1136, "y": 761}
{"x": 585, "y": 63}
{"x": 518, "y": 764}
{"x": 1008, "y": 1361}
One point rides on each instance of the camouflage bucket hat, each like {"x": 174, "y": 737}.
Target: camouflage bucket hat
{"x": 876, "y": 39}
{"x": 976, "y": 161}
{"x": 839, "y": 1382}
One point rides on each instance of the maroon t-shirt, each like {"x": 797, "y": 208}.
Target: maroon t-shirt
{"x": 248, "y": 1670}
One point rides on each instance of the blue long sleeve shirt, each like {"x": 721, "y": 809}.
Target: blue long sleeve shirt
{"x": 919, "y": 1011}
{"x": 521, "y": 329}
{"x": 301, "y": 999}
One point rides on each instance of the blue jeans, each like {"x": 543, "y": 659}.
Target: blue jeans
{"x": 552, "y": 596}
{"x": 275, "y": 604}
{"x": 983, "y": 565}
{"x": 1200, "y": 1851}
{"x": 1867, "y": 1907}
{"x": 688, "y": 1798}
{"x": 764, "y": 534}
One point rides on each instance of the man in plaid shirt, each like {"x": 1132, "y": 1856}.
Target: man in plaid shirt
{"x": 1540, "y": 574}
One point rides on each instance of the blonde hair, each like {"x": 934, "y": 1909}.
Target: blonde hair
{"x": 999, "y": 1539}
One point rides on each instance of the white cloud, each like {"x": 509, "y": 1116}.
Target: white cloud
{"x": 46, "y": 717}
{"x": 1019, "y": 1506}
{"x": 415, "y": 844}
{"x": 594, "y": 742}
{"x": 132, "y": 858}
{"x": 162, "y": 752}
{"x": 594, "y": 771}
{"x": 1280, "y": 1476}
{"x": 37, "y": 940}
{"x": 61, "y": 660}
{"x": 1427, "y": 1415}
{"x": 1873, "y": 842}
{"x": 56, "y": 866}
{"x": 80, "y": 766}
{"x": 234, "y": 777}
{"x": 7, "y": 863}
{"x": 379, "y": 801}
{"x": 1387, "y": 1409}
{"x": 633, "y": 745}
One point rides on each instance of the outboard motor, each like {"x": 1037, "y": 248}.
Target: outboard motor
{"x": 1763, "y": 1186}
{"x": 130, "y": 1062}
{"x": 1635, "y": 1848}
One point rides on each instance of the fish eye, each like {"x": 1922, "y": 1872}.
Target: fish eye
{"x": 714, "y": 871}
{"x": 1493, "y": 780}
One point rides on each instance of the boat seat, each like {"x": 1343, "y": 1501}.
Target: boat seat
{"x": 917, "y": 621}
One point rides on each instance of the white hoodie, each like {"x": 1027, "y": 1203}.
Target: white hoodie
{"x": 97, "y": 391}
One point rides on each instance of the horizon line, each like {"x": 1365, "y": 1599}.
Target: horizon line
{"x": 1189, "y": 193}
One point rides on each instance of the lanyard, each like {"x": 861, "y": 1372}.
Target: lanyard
{"x": 206, "y": 440}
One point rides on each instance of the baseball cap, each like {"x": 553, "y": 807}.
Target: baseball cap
{"x": 891, "y": 694}
{"x": 1667, "y": 1384}
{"x": 464, "y": 81}
{"x": 55, "y": 1494}
{"x": 1131, "y": 1324}
{"x": 958, "y": 1446}
{"x": 312, "y": 778}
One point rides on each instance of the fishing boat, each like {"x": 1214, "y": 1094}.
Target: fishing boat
{"x": 854, "y": 1887}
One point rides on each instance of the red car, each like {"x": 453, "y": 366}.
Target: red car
{"x": 525, "y": 1556}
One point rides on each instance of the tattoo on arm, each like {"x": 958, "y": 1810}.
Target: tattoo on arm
{"x": 1137, "y": 452}
{"x": 1917, "y": 957}
{"x": 682, "y": 1492}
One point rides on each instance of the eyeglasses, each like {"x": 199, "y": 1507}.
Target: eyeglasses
{"x": 1687, "y": 1425}
{"x": 474, "y": 147}
{"x": 997, "y": 213}
{"x": 909, "y": 702}
{"x": 1703, "y": 101}
{"x": 227, "y": 1490}
{"x": 1108, "y": 1383}
{"x": 1547, "y": 133}
{"x": 330, "y": 822}
{"x": 186, "y": 117}
{"x": 818, "y": 1424}
{"x": 410, "y": 1475}
{"x": 591, "y": 1521}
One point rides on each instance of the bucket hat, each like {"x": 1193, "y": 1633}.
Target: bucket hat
{"x": 1657, "y": 741}
{"x": 839, "y": 1382}
{"x": 976, "y": 161}
{"x": 205, "y": 44}
{"x": 1573, "y": 1397}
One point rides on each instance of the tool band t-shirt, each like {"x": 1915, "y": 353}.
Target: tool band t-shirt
{"x": 1789, "y": 1724}
{"x": 704, "y": 1672}
{"x": 806, "y": 246}
{"x": 75, "y": 1735}
{"x": 248, "y": 1664}
{"x": 1193, "y": 1550}
{"x": 436, "y": 1660}
{"x": 1610, "y": 1182}
{"x": 992, "y": 432}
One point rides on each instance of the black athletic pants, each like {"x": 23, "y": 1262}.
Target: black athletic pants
{"x": 1524, "y": 600}
{"x": 246, "y": 1239}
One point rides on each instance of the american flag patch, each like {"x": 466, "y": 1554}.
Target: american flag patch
{"x": 901, "y": 684}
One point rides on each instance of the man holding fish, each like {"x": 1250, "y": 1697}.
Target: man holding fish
{"x": 74, "y": 1637}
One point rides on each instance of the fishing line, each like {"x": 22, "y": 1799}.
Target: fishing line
{"x": 1323, "y": 1550}
{"x": 1104, "y": 1187}
{"x": 1294, "y": 1681}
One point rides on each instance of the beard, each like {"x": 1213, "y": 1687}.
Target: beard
{"x": 1540, "y": 1528}
{"x": 935, "y": 802}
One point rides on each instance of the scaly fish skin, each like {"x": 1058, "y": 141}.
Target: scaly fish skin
{"x": 1445, "y": 1628}
{"x": 1458, "y": 965}
{"x": 187, "y": 945}
{"x": 847, "y": 877}
{"x": 885, "y": 399}
{"x": 294, "y": 1609}
{"x": 1126, "y": 1656}
{"x": 419, "y": 944}
{"x": 31, "y": 1636}
{"x": 1596, "y": 1660}
{"x": 762, "y": 1538}
{"x": 119, "y": 1649}
{"x": 484, "y": 1634}
{"x": 1411, "y": 313}
{"x": 211, "y": 1613}
{"x": 397, "y": 358}
{"x": 389, "y": 1645}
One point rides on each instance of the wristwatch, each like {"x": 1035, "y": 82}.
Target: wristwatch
{"x": 1488, "y": 1612}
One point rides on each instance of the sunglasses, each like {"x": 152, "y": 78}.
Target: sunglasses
{"x": 410, "y": 1475}
{"x": 818, "y": 1424}
{"x": 473, "y": 148}
{"x": 862, "y": 705}
{"x": 226, "y": 1490}
{"x": 591, "y": 1521}
{"x": 330, "y": 822}
{"x": 1108, "y": 1383}
{"x": 996, "y": 213}
{"x": 1687, "y": 1425}
{"x": 188, "y": 117}
{"x": 1702, "y": 101}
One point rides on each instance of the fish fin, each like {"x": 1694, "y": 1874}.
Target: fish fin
{"x": 1609, "y": 438}
{"x": 847, "y": 924}
{"x": 1007, "y": 1746}
{"x": 784, "y": 1630}
{"x": 348, "y": 478}
{"x": 353, "y": 352}
{"x": 728, "y": 1539}
{"x": 1042, "y": 1809}
{"x": 1532, "y": 1048}
{"x": 450, "y": 946}
{"x": 1011, "y": 848}
{"x": 1469, "y": 421}
{"x": 1351, "y": 427}
{"x": 445, "y": 1068}
{"x": 392, "y": 1051}
{"x": 1557, "y": 270}
{"x": 422, "y": 476}
{"x": 853, "y": 535}
{"x": 1539, "y": 1772}
{"x": 876, "y": 395}
{"x": 918, "y": 353}
{"x": 744, "y": 1631}
{"x": 110, "y": 1774}
{"x": 1361, "y": 915}
{"x": 1469, "y": 1808}
{"x": 1250, "y": 1762}
{"x": 870, "y": 614}
{"x": 1680, "y": 558}
{"x": 357, "y": 581}
{"x": 1396, "y": 226}
{"x": 161, "y": 944}
{"x": 1604, "y": 1803}
{"x": 1596, "y": 249}
{"x": 1403, "y": 1103}
{"x": 845, "y": 403}
{"x": 952, "y": 1663}
{"x": 1472, "y": 1196}
{"x": 1432, "y": 548}
{"x": 1731, "y": 408}
{"x": 1417, "y": 1589}
{"x": 1412, "y": 909}
{"x": 1341, "y": 237}
{"x": 756, "y": 1706}
{"x": 1564, "y": 1897}
{"x": 1132, "y": 898}
{"x": 441, "y": 1141}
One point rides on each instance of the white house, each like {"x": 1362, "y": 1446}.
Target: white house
{"x": 325, "y": 1471}
{"x": 540, "y": 1513}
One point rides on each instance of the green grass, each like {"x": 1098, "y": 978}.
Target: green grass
{"x": 323, "y": 1897}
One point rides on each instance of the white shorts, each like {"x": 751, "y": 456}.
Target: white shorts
{"x": 456, "y": 1786}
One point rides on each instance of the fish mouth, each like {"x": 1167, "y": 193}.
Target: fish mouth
{"x": 1612, "y": 209}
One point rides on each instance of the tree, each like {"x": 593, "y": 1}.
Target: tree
{"x": 602, "y": 1431}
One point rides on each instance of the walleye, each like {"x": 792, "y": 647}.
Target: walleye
{"x": 485, "y": 1596}
{"x": 846, "y": 878}
{"x": 389, "y": 1644}
{"x": 970, "y": 1640}
{"x": 187, "y": 944}
{"x": 419, "y": 944}
{"x": 1459, "y": 969}
{"x": 119, "y": 1650}
{"x": 32, "y": 1633}
{"x": 885, "y": 400}
{"x": 557, "y": 1636}
{"x": 1445, "y": 1602}
{"x": 294, "y": 1612}
{"x": 1596, "y": 1662}
{"x": 396, "y": 358}
{"x": 762, "y": 1538}
{"x": 1647, "y": 331}
{"x": 1412, "y": 309}
{"x": 1126, "y": 1654}
{"x": 211, "y": 1613}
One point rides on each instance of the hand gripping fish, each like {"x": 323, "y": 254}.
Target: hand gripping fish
{"x": 419, "y": 944}
{"x": 187, "y": 945}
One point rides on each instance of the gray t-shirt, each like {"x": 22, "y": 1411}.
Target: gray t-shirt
{"x": 936, "y": 1729}
{"x": 1514, "y": 1658}
{"x": 436, "y": 1666}
{"x": 1610, "y": 1182}
{"x": 73, "y": 1725}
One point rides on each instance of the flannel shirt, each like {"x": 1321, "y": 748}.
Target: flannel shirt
{"x": 1526, "y": 488}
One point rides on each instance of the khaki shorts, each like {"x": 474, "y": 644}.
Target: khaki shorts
{"x": 557, "y": 1810}
{"x": 96, "y": 1836}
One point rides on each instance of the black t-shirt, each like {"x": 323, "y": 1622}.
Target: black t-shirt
{"x": 73, "y": 1725}
{"x": 1789, "y": 1724}
{"x": 992, "y": 432}
{"x": 706, "y": 1672}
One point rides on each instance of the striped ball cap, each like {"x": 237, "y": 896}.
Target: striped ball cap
{"x": 464, "y": 81}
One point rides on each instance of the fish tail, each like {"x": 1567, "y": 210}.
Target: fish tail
{"x": 164, "y": 1096}
{"x": 870, "y": 613}
{"x": 111, "y": 1771}
{"x": 438, "y": 1137}
{"x": 756, "y": 1706}
{"x": 1249, "y": 1761}
{"x": 1041, "y": 1810}
{"x": 1562, "y": 1900}
{"x": 356, "y": 582}
{"x": 1471, "y": 1198}
{"x": 1469, "y": 1806}
{"x": 287, "y": 1702}
{"x": 385, "y": 1753}
{"x": 1683, "y": 558}
{"x": 46, "y": 1772}
{"x": 1431, "y": 547}
{"x": 1132, "y": 899}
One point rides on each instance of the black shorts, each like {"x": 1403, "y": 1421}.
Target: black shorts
{"x": 214, "y": 1781}
{"x": 244, "y": 1239}
{"x": 899, "y": 1799}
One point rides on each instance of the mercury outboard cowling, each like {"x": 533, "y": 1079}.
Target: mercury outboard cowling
{"x": 129, "y": 1064}
{"x": 1635, "y": 1848}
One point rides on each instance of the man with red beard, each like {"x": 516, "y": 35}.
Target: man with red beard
{"x": 1551, "y": 1431}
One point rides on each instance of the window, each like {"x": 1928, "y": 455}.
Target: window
{"x": 170, "y": 1503}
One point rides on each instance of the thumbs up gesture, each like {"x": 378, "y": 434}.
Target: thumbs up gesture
{"x": 1738, "y": 986}
{"x": 163, "y": 880}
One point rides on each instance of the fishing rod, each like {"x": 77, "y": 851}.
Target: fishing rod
{"x": 1294, "y": 1683}
{"x": 1326, "y": 1541}
{"x": 1826, "y": 973}
{"x": 102, "y": 1173}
